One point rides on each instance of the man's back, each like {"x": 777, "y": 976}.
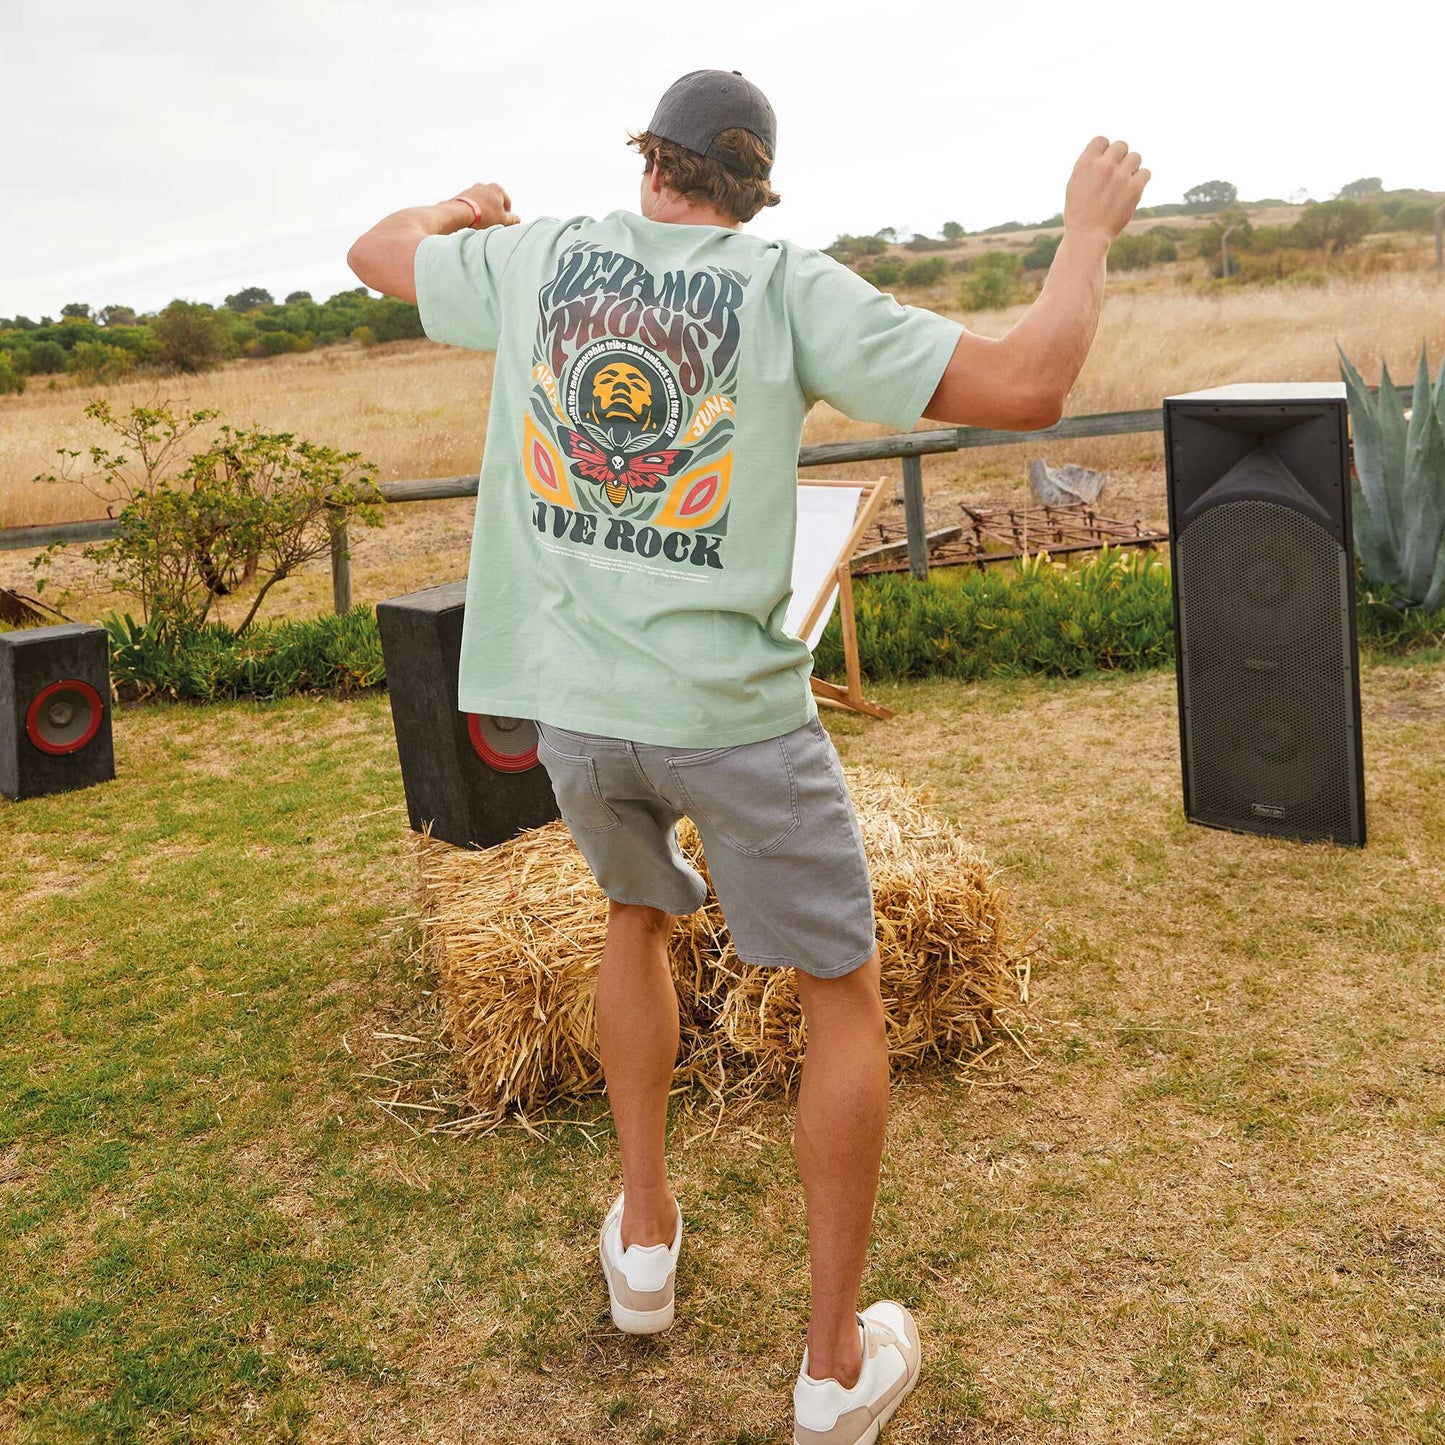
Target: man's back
{"x": 635, "y": 528}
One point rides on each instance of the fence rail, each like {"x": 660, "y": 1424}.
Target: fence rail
{"x": 907, "y": 448}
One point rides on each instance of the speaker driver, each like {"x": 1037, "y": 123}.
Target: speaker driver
{"x": 1274, "y": 747}
{"x": 508, "y": 744}
{"x": 64, "y": 716}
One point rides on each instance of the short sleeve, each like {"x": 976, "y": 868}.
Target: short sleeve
{"x": 859, "y": 350}
{"x": 459, "y": 284}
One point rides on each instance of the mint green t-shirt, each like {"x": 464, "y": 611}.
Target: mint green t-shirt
{"x": 632, "y": 552}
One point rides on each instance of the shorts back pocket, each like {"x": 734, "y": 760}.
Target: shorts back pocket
{"x": 574, "y": 785}
{"x": 747, "y": 795}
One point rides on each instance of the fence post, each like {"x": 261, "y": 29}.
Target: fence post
{"x": 340, "y": 563}
{"x": 913, "y": 515}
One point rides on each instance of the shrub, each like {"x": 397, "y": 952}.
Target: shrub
{"x": 1207, "y": 239}
{"x": 1040, "y": 256}
{"x": 1415, "y": 216}
{"x": 883, "y": 272}
{"x": 12, "y": 382}
{"x": 277, "y": 343}
{"x": 992, "y": 282}
{"x": 925, "y": 273}
{"x": 1114, "y": 612}
{"x": 250, "y": 504}
{"x": 1133, "y": 253}
{"x": 45, "y": 358}
{"x": 98, "y": 362}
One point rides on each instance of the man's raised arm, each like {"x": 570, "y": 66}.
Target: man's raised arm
{"x": 1021, "y": 380}
{"x": 385, "y": 257}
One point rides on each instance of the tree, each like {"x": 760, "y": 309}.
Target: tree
{"x": 1361, "y": 189}
{"x": 191, "y": 337}
{"x": 97, "y": 362}
{"x": 249, "y": 298}
{"x": 296, "y": 296}
{"x": 1210, "y": 196}
{"x": 78, "y": 309}
{"x": 45, "y": 358}
{"x": 952, "y": 231}
{"x": 117, "y": 316}
{"x": 1335, "y": 224}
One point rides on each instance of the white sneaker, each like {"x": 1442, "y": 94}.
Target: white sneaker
{"x": 824, "y": 1413}
{"x": 640, "y": 1278}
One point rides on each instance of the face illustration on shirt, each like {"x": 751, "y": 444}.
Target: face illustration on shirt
{"x": 620, "y": 392}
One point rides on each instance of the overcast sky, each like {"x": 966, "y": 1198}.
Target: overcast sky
{"x": 165, "y": 149}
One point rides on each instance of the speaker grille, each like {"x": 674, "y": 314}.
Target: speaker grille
{"x": 1266, "y": 673}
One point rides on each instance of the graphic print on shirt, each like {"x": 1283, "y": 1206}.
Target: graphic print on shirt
{"x": 627, "y": 442}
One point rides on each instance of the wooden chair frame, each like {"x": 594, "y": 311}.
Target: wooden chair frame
{"x": 830, "y": 694}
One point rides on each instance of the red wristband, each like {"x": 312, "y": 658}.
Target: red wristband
{"x": 476, "y": 209}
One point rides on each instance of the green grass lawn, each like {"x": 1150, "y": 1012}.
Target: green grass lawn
{"x": 1204, "y": 1204}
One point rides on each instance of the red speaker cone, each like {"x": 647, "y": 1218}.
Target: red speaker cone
{"x": 508, "y": 744}
{"x": 64, "y": 716}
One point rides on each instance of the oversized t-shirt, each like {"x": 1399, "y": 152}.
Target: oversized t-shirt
{"x": 633, "y": 543}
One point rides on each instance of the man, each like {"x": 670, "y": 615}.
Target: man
{"x": 629, "y": 577}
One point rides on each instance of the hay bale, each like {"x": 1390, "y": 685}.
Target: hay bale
{"x": 515, "y": 933}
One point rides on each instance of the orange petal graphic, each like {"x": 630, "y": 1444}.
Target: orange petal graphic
{"x": 546, "y": 471}
{"x": 699, "y": 496}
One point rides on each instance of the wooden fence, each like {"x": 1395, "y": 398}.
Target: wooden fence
{"x": 909, "y": 448}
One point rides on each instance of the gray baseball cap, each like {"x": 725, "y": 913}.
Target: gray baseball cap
{"x": 695, "y": 110}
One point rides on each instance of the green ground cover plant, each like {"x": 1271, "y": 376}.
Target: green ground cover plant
{"x": 335, "y": 654}
{"x": 1113, "y": 612}
{"x": 1202, "y": 1202}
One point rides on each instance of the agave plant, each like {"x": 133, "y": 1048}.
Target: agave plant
{"x": 1399, "y": 505}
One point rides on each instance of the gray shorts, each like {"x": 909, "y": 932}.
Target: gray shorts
{"x": 782, "y": 842}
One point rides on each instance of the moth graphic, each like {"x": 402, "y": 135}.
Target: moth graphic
{"x": 620, "y": 472}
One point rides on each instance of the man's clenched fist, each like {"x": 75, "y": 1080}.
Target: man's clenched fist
{"x": 496, "y": 204}
{"x": 1104, "y": 189}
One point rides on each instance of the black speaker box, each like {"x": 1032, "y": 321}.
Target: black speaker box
{"x": 1264, "y": 610}
{"x": 54, "y": 710}
{"x": 474, "y": 779}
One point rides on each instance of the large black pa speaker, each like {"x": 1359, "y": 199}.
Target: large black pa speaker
{"x": 475, "y": 779}
{"x": 1264, "y": 610}
{"x": 54, "y": 710}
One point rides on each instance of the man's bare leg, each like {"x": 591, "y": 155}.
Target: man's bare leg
{"x": 838, "y": 1138}
{"x": 637, "y": 1037}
